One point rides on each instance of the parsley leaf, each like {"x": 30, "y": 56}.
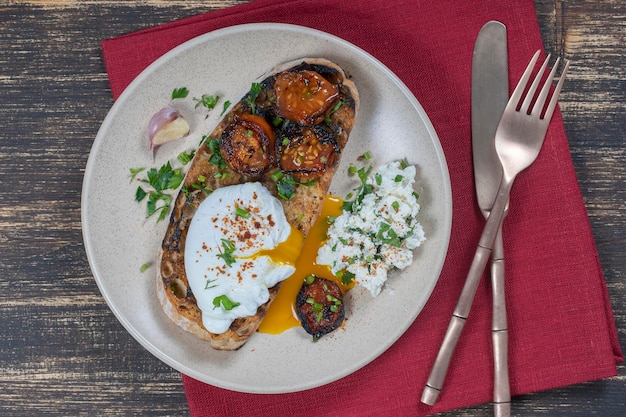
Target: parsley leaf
{"x": 140, "y": 194}
{"x": 225, "y": 302}
{"x": 226, "y": 106}
{"x": 387, "y": 235}
{"x": 181, "y": 92}
{"x": 346, "y": 277}
{"x": 207, "y": 101}
{"x": 153, "y": 207}
{"x": 134, "y": 172}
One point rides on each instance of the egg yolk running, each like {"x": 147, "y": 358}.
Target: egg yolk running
{"x": 281, "y": 314}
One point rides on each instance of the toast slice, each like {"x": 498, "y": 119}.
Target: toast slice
{"x": 302, "y": 206}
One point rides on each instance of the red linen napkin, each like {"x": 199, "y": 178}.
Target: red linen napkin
{"x": 561, "y": 324}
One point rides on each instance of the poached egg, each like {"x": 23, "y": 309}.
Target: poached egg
{"x": 239, "y": 244}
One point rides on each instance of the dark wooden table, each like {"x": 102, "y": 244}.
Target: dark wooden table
{"x": 62, "y": 352}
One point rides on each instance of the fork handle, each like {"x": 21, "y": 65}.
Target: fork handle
{"x": 464, "y": 303}
{"x": 500, "y": 332}
{"x": 455, "y": 327}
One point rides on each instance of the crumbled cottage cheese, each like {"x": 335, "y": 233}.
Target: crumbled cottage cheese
{"x": 379, "y": 232}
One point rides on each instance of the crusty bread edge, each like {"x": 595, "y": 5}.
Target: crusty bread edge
{"x": 170, "y": 311}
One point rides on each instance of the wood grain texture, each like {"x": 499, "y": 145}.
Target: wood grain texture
{"x": 64, "y": 353}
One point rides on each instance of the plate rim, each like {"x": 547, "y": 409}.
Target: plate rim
{"x": 128, "y": 91}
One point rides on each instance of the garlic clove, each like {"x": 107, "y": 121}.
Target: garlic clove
{"x": 165, "y": 126}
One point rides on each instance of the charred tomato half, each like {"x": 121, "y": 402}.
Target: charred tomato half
{"x": 247, "y": 145}
{"x": 306, "y": 151}
{"x": 304, "y": 96}
{"x": 319, "y": 306}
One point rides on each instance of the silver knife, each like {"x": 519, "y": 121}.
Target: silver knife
{"x": 490, "y": 93}
{"x": 489, "y": 97}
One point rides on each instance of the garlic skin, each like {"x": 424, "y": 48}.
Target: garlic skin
{"x": 165, "y": 126}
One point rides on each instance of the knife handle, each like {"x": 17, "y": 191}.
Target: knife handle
{"x": 500, "y": 332}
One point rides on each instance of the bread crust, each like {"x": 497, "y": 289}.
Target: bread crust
{"x": 174, "y": 292}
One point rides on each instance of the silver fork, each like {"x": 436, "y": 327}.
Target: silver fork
{"x": 519, "y": 137}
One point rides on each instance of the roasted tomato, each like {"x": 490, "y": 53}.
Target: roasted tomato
{"x": 306, "y": 151}
{"x": 304, "y": 96}
{"x": 247, "y": 145}
{"x": 319, "y": 306}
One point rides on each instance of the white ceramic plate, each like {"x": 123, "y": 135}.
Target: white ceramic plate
{"x": 118, "y": 238}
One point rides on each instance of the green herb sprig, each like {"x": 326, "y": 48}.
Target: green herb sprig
{"x": 227, "y": 254}
{"x": 207, "y": 101}
{"x": 361, "y": 191}
{"x": 159, "y": 181}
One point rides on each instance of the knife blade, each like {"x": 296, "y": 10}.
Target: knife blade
{"x": 489, "y": 75}
{"x": 490, "y": 93}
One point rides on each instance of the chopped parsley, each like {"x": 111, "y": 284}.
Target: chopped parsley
{"x": 255, "y": 89}
{"x": 185, "y": 157}
{"x": 286, "y": 184}
{"x": 216, "y": 156}
{"x": 335, "y": 108}
{"x": 199, "y": 184}
{"x": 242, "y": 213}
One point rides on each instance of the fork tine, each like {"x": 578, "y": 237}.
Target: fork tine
{"x": 521, "y": 85}
{"x": 541, "y": 100}
{"x": 533, "y": 88}
{"x": 557, "y": 91}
